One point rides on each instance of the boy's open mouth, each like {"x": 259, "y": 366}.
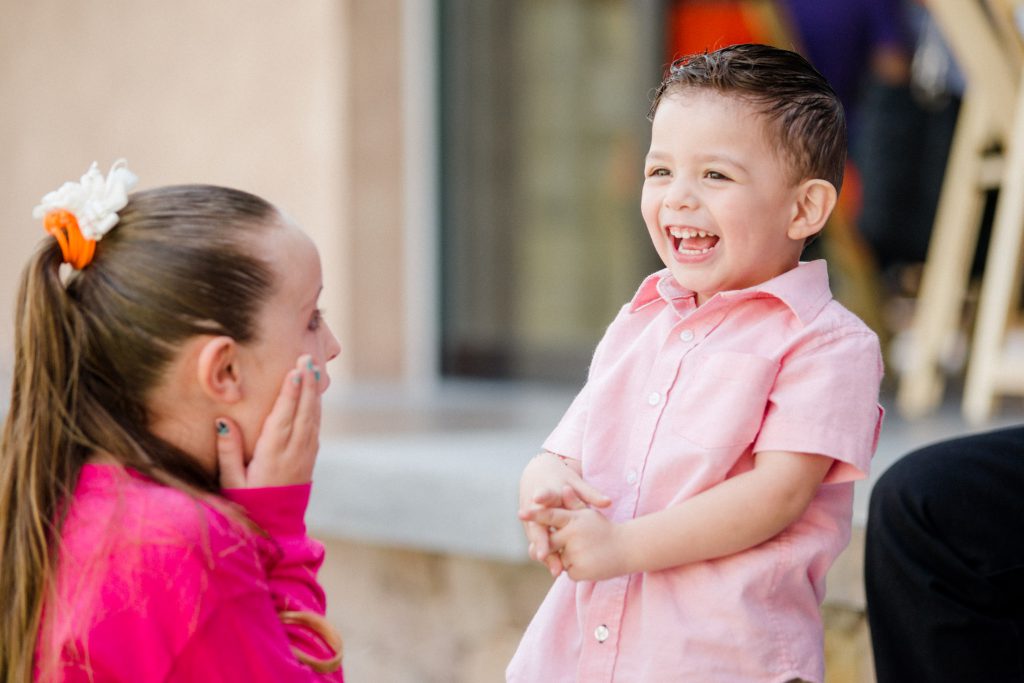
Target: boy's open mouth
{"x": 691, "y": 242}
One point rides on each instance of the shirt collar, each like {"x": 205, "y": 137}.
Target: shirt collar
{"x": 803, "y": 289}
{"x": 660, "y": 285}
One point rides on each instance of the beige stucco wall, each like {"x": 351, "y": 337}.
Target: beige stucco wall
{"x": 256, "y": 94}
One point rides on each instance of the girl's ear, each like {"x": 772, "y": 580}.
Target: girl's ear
{"x": 814, "y": 203}
{"x": 217, "y": 370}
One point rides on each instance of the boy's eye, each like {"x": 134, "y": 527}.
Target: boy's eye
{"x": 314, "y": 322}
{"x": 715, "y": 175}
{"x": 657, "y": 172}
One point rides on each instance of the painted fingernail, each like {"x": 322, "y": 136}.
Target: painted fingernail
{"x": 297, "y": 380}
{"x": 309, "y": 364}
{"x": 222, "y": 428}
{"x": 316, "y": 375}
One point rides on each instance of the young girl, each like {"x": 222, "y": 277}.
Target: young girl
{"x": 157, "y": 455}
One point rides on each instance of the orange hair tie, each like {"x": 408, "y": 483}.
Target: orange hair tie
{"x": 77, "y": 249}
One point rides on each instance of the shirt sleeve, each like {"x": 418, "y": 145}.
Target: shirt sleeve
{"x": 290, "y": 557}
{"x": 567, "y": 438}
{"x": 216, "y": 652}
{"x": 825, "y": 401}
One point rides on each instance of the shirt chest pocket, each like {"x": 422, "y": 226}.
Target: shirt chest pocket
{"x": 720, "y": 399}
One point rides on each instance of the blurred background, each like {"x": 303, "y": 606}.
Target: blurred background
{"x": 471, "y": 171}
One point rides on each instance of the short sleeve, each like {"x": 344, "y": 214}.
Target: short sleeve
{"x": 825, "y": 401}
{"x": 567, "y": 438}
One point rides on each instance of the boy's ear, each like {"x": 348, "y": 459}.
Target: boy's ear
{"x": 814, "y": 203}
{"x": 218, "y": 371}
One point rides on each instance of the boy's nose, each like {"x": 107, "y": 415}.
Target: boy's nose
{"x": 679, "y": 195}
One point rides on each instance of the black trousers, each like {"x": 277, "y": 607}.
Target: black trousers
{"x": 944, "y": 564}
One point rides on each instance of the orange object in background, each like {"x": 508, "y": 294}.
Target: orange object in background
{"x": 700, "y": 25}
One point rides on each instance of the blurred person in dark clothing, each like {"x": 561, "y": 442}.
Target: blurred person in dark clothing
{"x": 894, "y": 74}
{"x": 944, "y": 562}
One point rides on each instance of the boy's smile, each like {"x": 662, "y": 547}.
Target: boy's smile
{"x": 691, "y": 241}
{"x": 718, "y": 200}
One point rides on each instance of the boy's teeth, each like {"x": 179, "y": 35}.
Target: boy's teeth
{"x": 682, "y": 250}
{"x": 687, "y": 233}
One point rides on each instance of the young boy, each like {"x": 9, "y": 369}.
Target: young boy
{"x": 727, "y": 411}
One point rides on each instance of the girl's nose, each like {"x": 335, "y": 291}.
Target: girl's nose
{"x": 331, "y": 346}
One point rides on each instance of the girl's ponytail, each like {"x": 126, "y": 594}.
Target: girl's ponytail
{"x": 179, "y": 263}
{"x": 41, "y": 452}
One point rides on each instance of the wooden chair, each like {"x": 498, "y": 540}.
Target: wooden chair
{"x": 985, "y": 122}
{"x": 992, "y": 370}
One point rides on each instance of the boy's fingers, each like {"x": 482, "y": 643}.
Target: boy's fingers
{"x": 230, "y": 454}
{"x": 571, "y": 500}
{"x": 554, "y": 564}
{"x": 590, "y": 495}
{"x": 556, "y": 517}
{"x": 547, "y": 497}
{"x": 538, "y": 538}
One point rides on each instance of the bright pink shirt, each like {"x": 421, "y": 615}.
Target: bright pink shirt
{"x": 678, "y": 399}
{"x": 154, "y": 585}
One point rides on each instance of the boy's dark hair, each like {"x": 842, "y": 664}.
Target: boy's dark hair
{"x": 803, "y": 113}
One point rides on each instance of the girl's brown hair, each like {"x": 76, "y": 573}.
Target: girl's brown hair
{"x": 89, "y": 348}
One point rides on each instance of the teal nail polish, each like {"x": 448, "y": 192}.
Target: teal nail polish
{"x": 310, "y": 364}
{"x": 297, "y": 380}
{"x": 222, "y": 428}
{"x": 316, "y": 375}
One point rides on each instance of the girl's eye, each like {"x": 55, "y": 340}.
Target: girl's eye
{"x": 657, "y": 172}
{"x": 314, "y": 322}
{"x": 715, "y": 175}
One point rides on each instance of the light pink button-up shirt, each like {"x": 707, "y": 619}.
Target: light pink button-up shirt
{"x": 678, "y": 399}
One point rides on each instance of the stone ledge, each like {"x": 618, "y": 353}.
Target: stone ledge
{"x": 439, "y": 472}
{"x": 457, "y": 494}
{"x": 452, "y": 493}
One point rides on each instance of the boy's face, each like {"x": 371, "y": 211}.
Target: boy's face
{"x": 718, "y": 200}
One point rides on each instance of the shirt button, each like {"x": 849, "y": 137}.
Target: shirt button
{"x": 601, "y": 633}
{"x": 631, "y": 477}
{"x": 686, "y": 335}
{"x": 654, "y": 398}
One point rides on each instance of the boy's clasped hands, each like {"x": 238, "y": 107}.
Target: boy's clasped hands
{"x": 564, "y": 530}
